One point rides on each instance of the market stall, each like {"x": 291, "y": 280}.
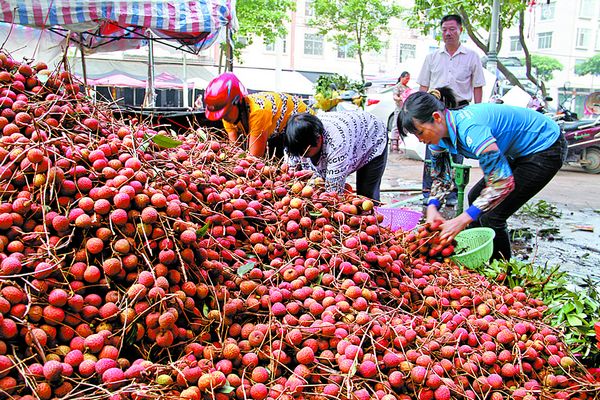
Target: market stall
{"x": 118, "y": 25}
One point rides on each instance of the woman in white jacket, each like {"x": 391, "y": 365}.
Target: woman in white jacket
{"x": 336, "y": 144}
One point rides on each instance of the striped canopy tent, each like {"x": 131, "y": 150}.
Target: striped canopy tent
{"x": 187, "y": 25}
{"x": 92, "y": 24}
{"x": 161, "y": 81}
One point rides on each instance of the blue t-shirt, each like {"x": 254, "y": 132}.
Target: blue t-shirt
{"x": 517, "y": 131}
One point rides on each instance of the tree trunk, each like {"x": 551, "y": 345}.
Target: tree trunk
{"x": 484, "y": 47}
{"x": 537, "y": 83}
{"x": 362, "y": 64}
{"x": 360, "y": 53}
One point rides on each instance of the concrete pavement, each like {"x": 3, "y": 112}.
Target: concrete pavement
{"x": 571, "y": 188}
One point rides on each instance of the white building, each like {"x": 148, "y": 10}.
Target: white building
{"x": 568, "y": 30}
{"x": 305, "y": 51}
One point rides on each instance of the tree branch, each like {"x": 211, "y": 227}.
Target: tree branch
{"x": 499, "y": 44}
{"x": 471, "y": 32}
{"x": 542, "y": 86}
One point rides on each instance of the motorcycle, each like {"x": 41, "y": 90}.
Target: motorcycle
{"x": 583, "y": 143}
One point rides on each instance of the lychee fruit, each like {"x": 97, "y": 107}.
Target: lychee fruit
{"x": 53, "y": 370}
{"x": 305, "y": 356}
{"x": 113, "y": 377}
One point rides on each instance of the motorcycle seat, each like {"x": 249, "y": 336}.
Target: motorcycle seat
{"x": 575, "y": 125}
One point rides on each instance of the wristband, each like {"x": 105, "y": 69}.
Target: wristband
{"x": 434, "y": 202}
{"x": 473, "y": 212}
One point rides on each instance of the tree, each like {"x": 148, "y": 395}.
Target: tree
{"x": 476, "y": 15}
{"x": 591, "y": 66}
{"x": 357, "y": 24}
{"x": 261, "y": 19}
{"x": 545, "y": 66}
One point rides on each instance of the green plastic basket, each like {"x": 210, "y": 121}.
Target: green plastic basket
{"x": 474, "y": 247}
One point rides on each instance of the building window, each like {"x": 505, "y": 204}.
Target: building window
{"x": 545, "y": 40}
{"x": 577, "y": 63}
{"x": 406, "y": 51}
{"x": 270, "y": 47}
{"x": 585, "y": 7}
{"x": 309, "y": 9}
{"x": 547, "y": 11}
{"x": 346, "y": 51}
{"x": 583, "y": 38}
{"x": 515, "y": 44}
{"x": 313, "y": 44}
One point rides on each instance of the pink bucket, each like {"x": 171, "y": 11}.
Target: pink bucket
{"x": 399, "y": 218}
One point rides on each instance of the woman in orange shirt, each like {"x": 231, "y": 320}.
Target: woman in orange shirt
{"x": 260, "y": 118}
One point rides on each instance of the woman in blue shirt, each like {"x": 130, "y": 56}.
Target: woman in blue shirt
{"x": 519, "y": 151}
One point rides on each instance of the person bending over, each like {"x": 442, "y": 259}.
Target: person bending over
{"x": 259, "y": 119}
{"x": 336, "y": 144}
{"x": 519, "y": 151}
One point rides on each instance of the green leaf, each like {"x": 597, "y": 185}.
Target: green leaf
{"x": 202, "y": 135}
{"x": 244, "y": 269}
{"x": 319, "y": 279}
{"x": 205, "y": 310}
{"x": 202, "y": 231}
{"x": 226, "y": 389}
{"x": 131, "y": 334}
{"x": 574, "y": 320}
{"x": 578, "y": 306}
{"x": 568, "y": 308}
{"x": 166, "y": 141}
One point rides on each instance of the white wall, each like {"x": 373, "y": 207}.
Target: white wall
{"x": 569, "y": 16}
{"x": 385, "y": 62}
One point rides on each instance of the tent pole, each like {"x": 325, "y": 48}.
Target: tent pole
{"x": 65, "y": 54}
{"x": 185, "y": 85}
{"x": 83, "y": 66}
{"x": 221, "y": 51}
{"x": 150, "y": 97}
{"x": 228, "y": 51}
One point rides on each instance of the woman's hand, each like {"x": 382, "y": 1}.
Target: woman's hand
{"x": 433, "y": 214}
{"x": 454, "y": 226}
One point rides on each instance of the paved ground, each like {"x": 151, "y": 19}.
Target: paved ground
{"x": 575, "y": 243}
{"x": 571, "y": 187}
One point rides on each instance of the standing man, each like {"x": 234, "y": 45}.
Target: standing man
{"x": 458, "y": 68}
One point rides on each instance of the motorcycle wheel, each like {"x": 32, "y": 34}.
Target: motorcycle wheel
{"x": 592, "y": 159}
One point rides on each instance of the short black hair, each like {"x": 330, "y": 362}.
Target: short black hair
{"x": 452, "y": 17}
{"x": 302, "y": 131}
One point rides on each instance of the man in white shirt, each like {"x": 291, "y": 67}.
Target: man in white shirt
{"x": 458, "y": 68}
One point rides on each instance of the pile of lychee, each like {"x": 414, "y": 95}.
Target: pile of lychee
{"x": 131, "y": 270}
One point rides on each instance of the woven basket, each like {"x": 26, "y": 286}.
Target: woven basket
{"x": 474, "y": 247}
{"x": 399, "y": 218}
